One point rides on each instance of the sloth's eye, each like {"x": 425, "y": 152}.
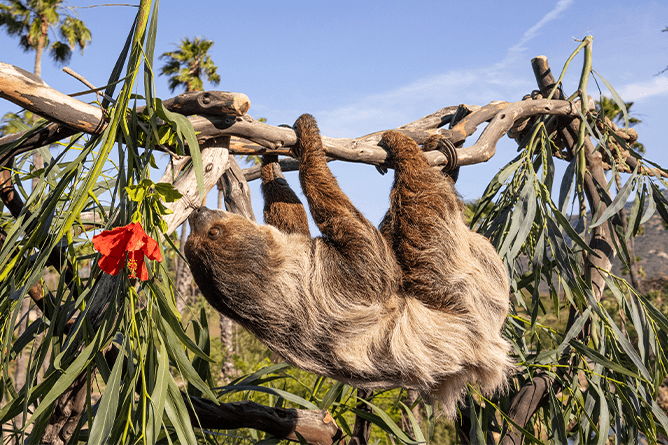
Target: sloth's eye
{"x": 214, "y": 232}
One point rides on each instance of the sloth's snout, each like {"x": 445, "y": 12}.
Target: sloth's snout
{"x": 202, "y": 217}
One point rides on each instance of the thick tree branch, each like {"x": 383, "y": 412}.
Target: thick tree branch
{"x": 32, "y": 93}
{"x": 265, "y": 139}
{"x": 207, "y": 102}
{"x": 316, "y": 427}
{"x": 187, "y": 185}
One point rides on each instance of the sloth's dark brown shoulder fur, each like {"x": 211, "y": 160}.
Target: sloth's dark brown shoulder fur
{"x": 419, "y": 303}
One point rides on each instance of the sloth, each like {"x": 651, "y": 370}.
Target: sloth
{"x": 417, "y": 303}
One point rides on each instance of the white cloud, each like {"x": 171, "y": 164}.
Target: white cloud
{"x": 643, "y": 90}
{"x": 515, "y": 51}
{"x": 401, "y": 105}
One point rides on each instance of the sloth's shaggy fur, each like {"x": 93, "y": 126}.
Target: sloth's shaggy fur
{"x": 418, "y": 304}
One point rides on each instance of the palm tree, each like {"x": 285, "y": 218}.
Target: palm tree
{"x": 30, "y": 20}
{"x": 188, "y": 64}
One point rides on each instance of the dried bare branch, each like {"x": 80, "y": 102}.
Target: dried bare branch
{"x": 259, "y": 138}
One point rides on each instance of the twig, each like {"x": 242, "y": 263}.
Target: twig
{"x": 83, "y": 80}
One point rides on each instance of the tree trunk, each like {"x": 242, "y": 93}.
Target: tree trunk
{"x": 39, "y": 49}
{"x": 362, "y": 428}
{"x": 227, "y": 345}
{"x": 226, "y": 324}
{"x": 411, "y": 397}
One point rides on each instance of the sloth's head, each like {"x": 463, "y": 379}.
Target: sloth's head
{"x": 221, "y": 236}
{"x": 227, "y": 250}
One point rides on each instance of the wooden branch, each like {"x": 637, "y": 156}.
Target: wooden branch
{"x": 32, "y": 93}
{"x": 287, "y": 165}
{"x": 316, "y": 427}
{"x": 48, "y": 135}
{"x": 215, "y": 161}
{"x": 236, "y": 191}
{"x": 207, "y": 102}
{"x": 265, "y": 139}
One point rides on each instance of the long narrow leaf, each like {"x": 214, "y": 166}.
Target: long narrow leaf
{"x": 619, "y": 201}
{"x": 106, "y": 411}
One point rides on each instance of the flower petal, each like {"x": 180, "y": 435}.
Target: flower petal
{"x": 111, "y": 242}
{"x": 136, "y": 239}
{"x": 152, "y": 250}
{"x": 111, "y": 264}
{"x": 131, "y": 240}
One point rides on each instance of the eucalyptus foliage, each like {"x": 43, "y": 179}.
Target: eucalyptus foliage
{"x": 605, "y": 382}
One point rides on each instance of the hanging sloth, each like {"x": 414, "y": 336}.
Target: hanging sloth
{"x": 418, "y": 303}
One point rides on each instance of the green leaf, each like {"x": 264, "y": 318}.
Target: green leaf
{"x": 136, "y": 193}
{"x": 596, "y": 357}
{"x": 566, "y": 186}
{"x": 494, "y": 186}
{"x": 476, "y": 434}
{"x": 158, "y": 397}
{"x": 619, "y": 201}
{"x": 203, "y": 342}
{"x": 627, "y": 347}
{"x": 651, "y": 207}
{"x": 185, "y": 129}
{"x": 333, "y": 393}
{"x": 574, "y": 331}
{"x": 660, "y": 202}
{"x": 633, "y": 220}
{"x": 149, "y": 50}
{"x": 167, "y": 191}
{"x": 273, "y": 391}
{"x": 72, "y": 372}
{"x": 572, "y": 234}
{"x": 177, "y": 413}
{"x": 178, "y": 355}
{"x": 419, "y": 436}
{"x": 617, "y": 98}
{"x": 604, "y": 414}
{"x": 168, "y": 315}
{"x": 259, "y": 373}
{"x": 106, "y": 411}
{"x": 385, "y": 423}
{"x": 557, "y": 420}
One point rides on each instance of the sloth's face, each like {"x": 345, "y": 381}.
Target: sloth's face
{"x": 224, "y": 237}
{"x": 206, "y": 222}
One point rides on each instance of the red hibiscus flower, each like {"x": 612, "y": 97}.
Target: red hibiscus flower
{"x": 130, "y": 240}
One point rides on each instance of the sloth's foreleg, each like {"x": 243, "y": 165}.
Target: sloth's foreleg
{"x": 282, "y": 207}
{"x": 357, "y": 251}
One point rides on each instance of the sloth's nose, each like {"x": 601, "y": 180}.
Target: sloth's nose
{"x": 200, "y": 218}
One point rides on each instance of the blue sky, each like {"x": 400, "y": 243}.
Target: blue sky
{"x": 364, "y": 66}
